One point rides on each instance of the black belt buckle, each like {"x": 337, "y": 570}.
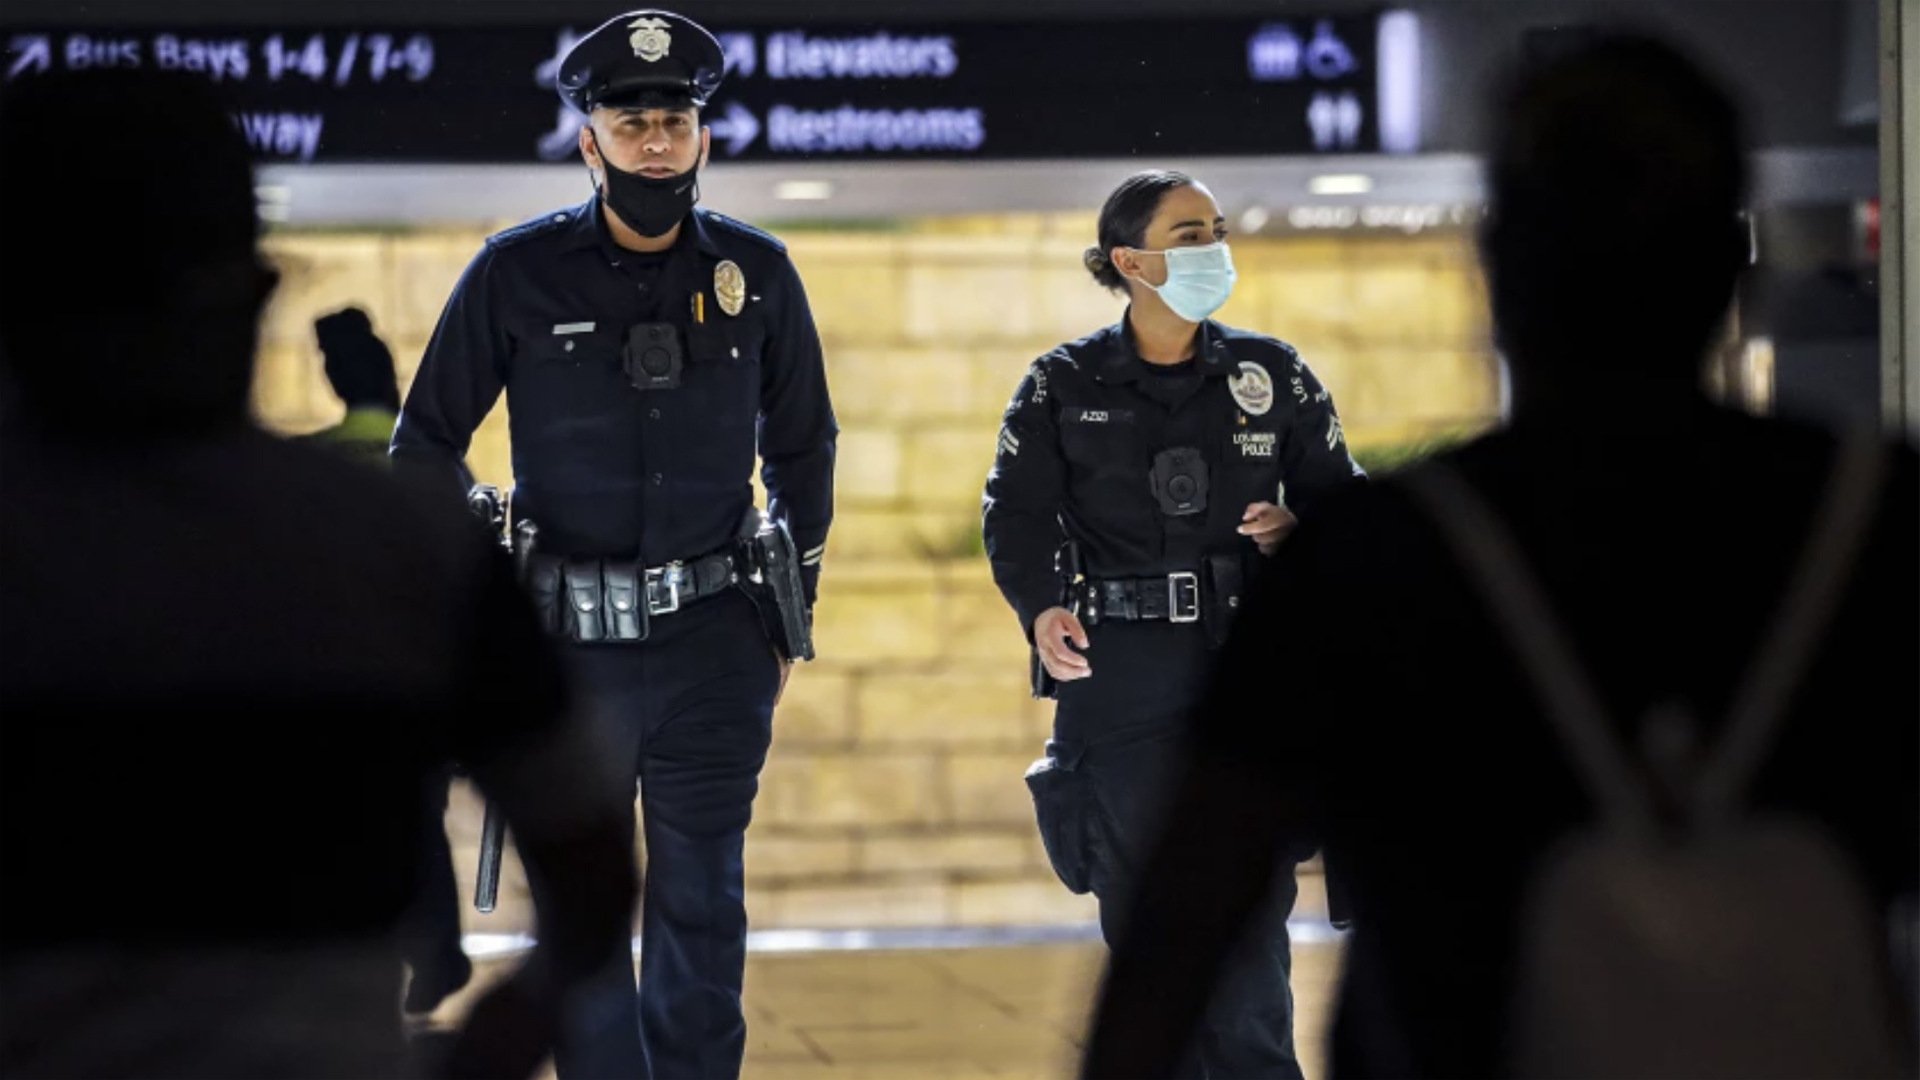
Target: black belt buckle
{"x": 1183, "y": 597}
{"x": 668, "y": 579}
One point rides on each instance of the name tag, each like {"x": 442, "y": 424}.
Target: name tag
{"x": 573, "y": 328}
{"x": 1098, "y": 416}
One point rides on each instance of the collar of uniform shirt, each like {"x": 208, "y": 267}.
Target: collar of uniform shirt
{"x": 1210, "y": 354}
{"x": 589, "y": 230}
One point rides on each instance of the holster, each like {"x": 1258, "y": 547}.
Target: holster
{"x": 772, "y": 582}
{"x": 1045, "y": 686}
{"x": 1071, "y": 570}
{"x": 541, "y": 574}
{"x": 1223, "y": 589}
{"x": 487, "y": 503}
{"x": 1062, "y": 805}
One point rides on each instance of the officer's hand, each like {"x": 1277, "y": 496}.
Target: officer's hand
{"x": 1267, "y": 525}
{"x": 1051, "y": 633}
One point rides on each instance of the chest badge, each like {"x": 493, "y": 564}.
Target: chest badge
{"x": 730, "y": 285}
{"x": 1252, "y": 389}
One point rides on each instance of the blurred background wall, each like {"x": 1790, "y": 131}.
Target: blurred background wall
{"x": 894, "y": 793}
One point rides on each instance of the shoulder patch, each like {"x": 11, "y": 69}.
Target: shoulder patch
{"x": 725, "y": 224}
{"x": 1042, "y": 380}
{"x": 1061, "y": 361}
{"x": 540, "y": 226}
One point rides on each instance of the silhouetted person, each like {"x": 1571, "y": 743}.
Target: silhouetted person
{"x": 1408, "y": 738}
{"x": 359, "y": 367}
{"x": 228, "y": 662}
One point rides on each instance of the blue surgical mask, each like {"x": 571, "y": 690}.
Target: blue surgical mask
{"x": 1199, "y": 280}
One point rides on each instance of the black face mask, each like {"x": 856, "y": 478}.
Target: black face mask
{"x": 651, "y": 206}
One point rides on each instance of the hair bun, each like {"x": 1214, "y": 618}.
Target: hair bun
{"x": 1095, "y": 259}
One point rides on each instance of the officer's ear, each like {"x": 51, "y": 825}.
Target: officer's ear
{"x": 589, "y": 149}
{"x": 706, "y": 145}
{"x": 1127, "y": 262}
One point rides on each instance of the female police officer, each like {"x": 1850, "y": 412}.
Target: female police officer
{"x": 1141, "y": 472}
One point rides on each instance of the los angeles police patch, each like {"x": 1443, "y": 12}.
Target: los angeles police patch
{"x": 1252, "y": 388}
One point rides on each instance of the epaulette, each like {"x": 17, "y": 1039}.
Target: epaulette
{"x": 741, "y": 229}
{"x": 525, "y": 231}
{"x": 1257, "y": 343}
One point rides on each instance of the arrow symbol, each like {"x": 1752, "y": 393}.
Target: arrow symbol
{"x": 548, "y": 73}
{"x": 33, "y": 52}
{"x": 738, "y": 127}
{"x": 739, "y": 51}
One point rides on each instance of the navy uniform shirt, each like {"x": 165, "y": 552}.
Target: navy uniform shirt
{"x": 1080, "y": 438}
{"x": 602, "y": 468}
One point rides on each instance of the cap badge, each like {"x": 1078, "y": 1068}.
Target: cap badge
{"x": 730, "y": 285}
{"x": 650, "y": 39}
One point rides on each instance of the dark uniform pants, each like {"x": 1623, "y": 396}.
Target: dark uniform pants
{"x": 694, "y": 708}
{"x": 1122, "y": 734}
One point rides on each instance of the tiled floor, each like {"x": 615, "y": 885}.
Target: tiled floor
{"x": 1010, "y": 1013}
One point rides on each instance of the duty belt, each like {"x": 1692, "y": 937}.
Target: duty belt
{"x": 675, "y": 584}
{"x": 1174, "y": 598}
{"x": 620, "y": 585}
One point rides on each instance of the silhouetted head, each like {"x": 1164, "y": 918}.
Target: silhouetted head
{"x": 133, "y": 284}
{"x": 1614, "y": 239}
{"x": 358, "y": 363}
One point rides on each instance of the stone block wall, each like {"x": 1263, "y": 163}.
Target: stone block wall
{"x": 893, "y": 796}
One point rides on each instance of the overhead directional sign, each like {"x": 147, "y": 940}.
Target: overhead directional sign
{"x": 734, "y": 128}
{"x": 31, "y": 54}
{"x": 1121, "y": 88}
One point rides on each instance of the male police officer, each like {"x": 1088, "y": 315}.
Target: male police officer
{"x": 643, "y": 345}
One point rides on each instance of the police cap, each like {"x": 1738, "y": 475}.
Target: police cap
{"x": 641, "y": 58}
